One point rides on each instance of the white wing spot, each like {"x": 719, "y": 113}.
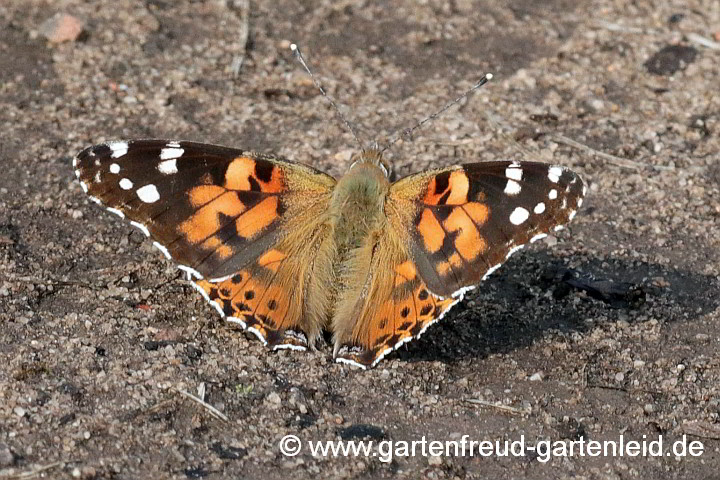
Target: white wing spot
{"x": 173, "y": 144}
{"x": 462, "y": 291}
{"x": 221, "y": 279}
{"x": 539, "y": 208}
{"x": 114, "y": 168}
{"x": 512, "y": 187}
{"x": 148, "y": 193}
{"x": 491, "y": 270}
{"x": 579, "y": 202}
{"x": 537, "y": 237}
{"x": 347, "y": 361}
{"x": 142, "y": 228}
{"x": 514, "y": 172}
{"x": 162, "y": 249}
{"x": 552, "y": 195}
{"x": 97, "y": 178}
{"x": 513, "y": 250}
{"x": 116, "y": 212}
{"x": 257, "y": 333}
{"x": 168, "y": 167}
{"x": 289, "y": 346}
{"x": 519, "y": 215}
{"x": 572, "y": 215}
{"x": 172, "y": 152}
{"x": 554, "y": 174}
{"x": 558, "y": 228}
{"x": 126, "y": 184}
{"x": 239, "y": 321}
{"x": 191, "y": 272}
{"x": 118, "y": 149}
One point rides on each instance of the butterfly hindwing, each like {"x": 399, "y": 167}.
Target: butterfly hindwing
{"x": 222, "y": 213}
{"x": 398, "y": 308}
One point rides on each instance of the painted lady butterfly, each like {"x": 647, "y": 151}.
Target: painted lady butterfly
{"x": 287, "y": 251}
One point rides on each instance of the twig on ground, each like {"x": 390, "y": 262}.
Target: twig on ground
{"x": 212, "y": 410}
{"x": 34, "y": 472}
{"x": 621, "y": 162}
{"x": 55, "y": 283}
{"x": 616, "y": 27}
{"x": 705, "y": 42}
{"x": 691, "y": 37}
{"x": 701, "y": 429}
{"x": 156, "y": 407}
{"x": 498, "y": 406}
{"x": 243, "y": 7}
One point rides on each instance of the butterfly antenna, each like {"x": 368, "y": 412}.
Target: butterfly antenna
{"x": 298, "y": 54}
{"x": 409, "y": 131}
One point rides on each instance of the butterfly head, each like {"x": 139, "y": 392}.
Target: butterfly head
{"x": 372, "y": 156}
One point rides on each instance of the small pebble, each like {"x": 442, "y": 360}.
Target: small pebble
{"x": 274, "y": 398}
{"x": 61, "y": 27}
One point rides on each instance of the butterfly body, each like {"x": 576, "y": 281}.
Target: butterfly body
{"x": 287, "y": 251}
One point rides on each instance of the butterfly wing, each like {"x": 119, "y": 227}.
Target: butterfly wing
{"x": 224, "y": 215}
{"x": 448, "y": 230}
{"x": 469, "y": 219}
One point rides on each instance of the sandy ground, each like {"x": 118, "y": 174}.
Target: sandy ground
{"x": 610, "y": 329}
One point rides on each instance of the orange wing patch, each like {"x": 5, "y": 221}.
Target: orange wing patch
{"x": 244, "y": 173}
{"x": 405, "y": 272}
{"x": 469, "y": 243}
{"x": 271, "y": 259}
{"x": 205, "y": 222}
{"x": 464, "y": 220}
{"x": 431, "y": 231}
{"x": 448, "y": 188}
{"x": 255, "y": 220}
{"x": 204, "y": 194}
{"x": 205, "y": 226}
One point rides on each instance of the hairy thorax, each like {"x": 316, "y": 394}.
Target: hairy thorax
{"x": 357, "y": 207}
{"x": 356, "y": 211}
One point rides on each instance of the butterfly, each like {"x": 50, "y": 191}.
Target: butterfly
{"x": 287, "y": 251}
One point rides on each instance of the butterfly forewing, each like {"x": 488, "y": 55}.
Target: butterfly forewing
{"x": 211, "y": 208}
{"x": 469, "y": 219}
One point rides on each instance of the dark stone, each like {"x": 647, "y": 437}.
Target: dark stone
{"x": 670, "y": 59}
